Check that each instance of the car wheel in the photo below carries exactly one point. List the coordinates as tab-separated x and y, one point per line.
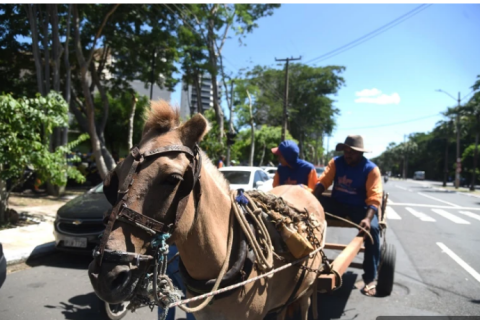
116	311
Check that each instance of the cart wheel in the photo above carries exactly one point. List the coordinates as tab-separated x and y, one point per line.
116	311
386	270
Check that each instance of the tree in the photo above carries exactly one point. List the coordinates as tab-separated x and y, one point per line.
472	109
21	123
212	22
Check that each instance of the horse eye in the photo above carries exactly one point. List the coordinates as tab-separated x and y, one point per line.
173	179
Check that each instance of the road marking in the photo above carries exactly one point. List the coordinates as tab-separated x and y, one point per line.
403	188
392	214
450	216
458	260
427	196
389	201
433	206
420	215
471	215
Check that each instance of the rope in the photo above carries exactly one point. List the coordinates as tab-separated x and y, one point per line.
352	223
271	272
217	282
264	260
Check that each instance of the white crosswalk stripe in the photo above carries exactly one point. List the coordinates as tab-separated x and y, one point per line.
470	214
450	216
420	215
392	214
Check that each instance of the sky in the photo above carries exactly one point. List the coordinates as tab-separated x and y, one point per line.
391	79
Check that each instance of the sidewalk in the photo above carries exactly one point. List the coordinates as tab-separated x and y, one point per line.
22	243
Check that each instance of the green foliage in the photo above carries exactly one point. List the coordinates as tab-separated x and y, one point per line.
25	125
116	130
266	138
210	143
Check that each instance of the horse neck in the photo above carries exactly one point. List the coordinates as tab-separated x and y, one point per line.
202	236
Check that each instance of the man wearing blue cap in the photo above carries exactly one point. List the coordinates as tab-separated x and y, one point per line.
293	170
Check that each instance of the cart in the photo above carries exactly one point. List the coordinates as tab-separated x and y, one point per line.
386	267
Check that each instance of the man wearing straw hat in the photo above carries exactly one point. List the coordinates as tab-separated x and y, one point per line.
357	193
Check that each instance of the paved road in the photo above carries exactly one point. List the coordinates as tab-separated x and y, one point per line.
436	234
424	223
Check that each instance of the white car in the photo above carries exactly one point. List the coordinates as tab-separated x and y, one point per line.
270	171
247	178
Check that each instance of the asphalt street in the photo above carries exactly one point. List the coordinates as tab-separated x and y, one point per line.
436	235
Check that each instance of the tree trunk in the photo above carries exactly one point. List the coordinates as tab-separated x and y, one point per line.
213	71
475	157
94	139
263	154
32	17
3	198
46	49
252	136
68	79
199	93
130	121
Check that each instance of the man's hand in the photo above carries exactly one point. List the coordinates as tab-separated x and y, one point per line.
318	190
365	223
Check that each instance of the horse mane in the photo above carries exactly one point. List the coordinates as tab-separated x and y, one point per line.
161	116
215	173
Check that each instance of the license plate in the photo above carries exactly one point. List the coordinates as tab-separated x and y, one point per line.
75	242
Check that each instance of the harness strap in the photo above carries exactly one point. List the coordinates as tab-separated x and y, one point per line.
143	220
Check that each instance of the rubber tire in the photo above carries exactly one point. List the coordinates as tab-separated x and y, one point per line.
386	272
113	314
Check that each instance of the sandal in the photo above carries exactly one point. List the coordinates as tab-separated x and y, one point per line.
370	290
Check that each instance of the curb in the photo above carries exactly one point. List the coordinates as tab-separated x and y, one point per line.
24	255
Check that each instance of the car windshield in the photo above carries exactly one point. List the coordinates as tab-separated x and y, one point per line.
237	177
98	188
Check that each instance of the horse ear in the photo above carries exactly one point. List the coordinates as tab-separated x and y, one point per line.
110	187
194	129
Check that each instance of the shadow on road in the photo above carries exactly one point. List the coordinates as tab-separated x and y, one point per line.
62	260
86	306
332	305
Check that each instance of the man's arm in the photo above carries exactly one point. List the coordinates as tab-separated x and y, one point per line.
374	196
326	179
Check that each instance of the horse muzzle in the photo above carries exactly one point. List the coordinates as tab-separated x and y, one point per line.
114	282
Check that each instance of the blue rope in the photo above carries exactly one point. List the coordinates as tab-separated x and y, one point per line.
240	198
160	243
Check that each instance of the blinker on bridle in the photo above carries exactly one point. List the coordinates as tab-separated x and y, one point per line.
160	230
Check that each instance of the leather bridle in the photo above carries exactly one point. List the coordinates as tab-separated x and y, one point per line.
122	212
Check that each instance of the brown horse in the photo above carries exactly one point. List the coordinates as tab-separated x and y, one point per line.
201	233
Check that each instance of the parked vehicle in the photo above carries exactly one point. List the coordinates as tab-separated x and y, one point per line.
419	175
270	171
319	170
247	178
78	226
80	221
3	266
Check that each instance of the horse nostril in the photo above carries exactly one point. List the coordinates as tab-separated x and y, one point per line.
120	280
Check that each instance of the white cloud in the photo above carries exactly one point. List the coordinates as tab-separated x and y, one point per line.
368	92
377	97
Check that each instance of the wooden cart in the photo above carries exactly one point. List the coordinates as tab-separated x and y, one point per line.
386	267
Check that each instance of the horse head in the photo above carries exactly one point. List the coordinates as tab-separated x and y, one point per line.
149	192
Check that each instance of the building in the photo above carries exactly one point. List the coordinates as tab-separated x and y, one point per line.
189	98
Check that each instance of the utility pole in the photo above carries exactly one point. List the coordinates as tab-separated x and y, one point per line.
404	157
285	101
459	160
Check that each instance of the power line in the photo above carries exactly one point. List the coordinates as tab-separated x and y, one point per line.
391	124
371	34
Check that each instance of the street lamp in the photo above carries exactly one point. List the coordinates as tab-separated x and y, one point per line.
459	160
